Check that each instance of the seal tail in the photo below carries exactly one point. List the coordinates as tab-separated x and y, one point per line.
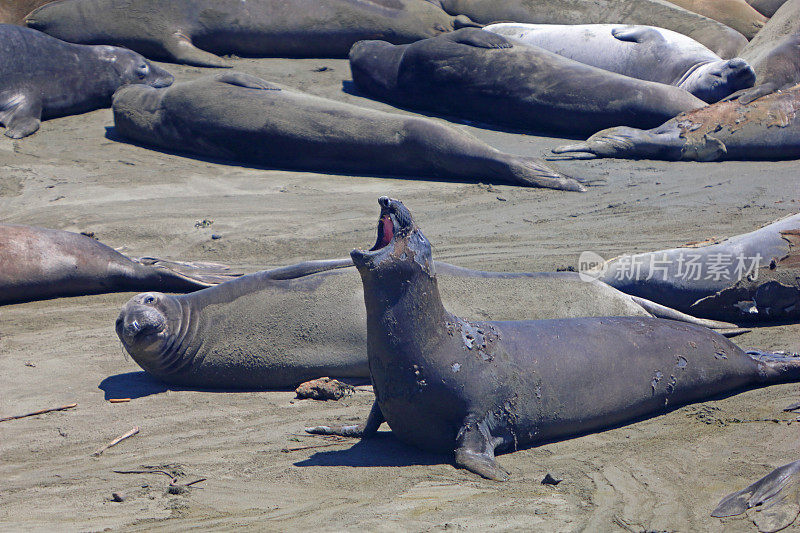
197	274
777	367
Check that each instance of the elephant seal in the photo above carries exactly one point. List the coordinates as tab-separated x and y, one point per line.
775	54
281	327
38	263
642	52
483	76
724	41
196	32
444	383
14	11
767	128
736	14
766	7
42	77
775	498
243	118
754	276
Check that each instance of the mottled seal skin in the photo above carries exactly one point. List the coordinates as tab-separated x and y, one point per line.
736	14
196	32
763	285
483	76
724	41
766	7
775	498
775	54
444	383
642	52
765	129
42	77
243	118
14	11
38	263
281	327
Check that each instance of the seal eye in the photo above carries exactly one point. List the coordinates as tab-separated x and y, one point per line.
142	71
149	299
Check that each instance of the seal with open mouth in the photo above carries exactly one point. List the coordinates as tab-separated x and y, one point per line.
444	383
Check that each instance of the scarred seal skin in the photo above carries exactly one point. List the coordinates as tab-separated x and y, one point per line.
749	277
444	383
281	327
196	32
479	75
643	52
39	263
765	129
42	77
722	40
240	117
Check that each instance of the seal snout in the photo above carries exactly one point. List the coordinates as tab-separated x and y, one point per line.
140	318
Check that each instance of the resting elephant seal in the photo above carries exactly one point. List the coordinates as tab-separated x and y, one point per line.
196	32
642	52
444	383
775	53
39	263
281	327
754	276
14	11
243	118
479	75
766	7
767	128
723	40
736	14
775	498
42	77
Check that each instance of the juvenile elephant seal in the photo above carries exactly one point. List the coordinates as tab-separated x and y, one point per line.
444	383
775	53
38	263
14	11
243	118
754	276
42	77
736	14
775	498
281	327
196	32
480	75
723	40
767	128
642	52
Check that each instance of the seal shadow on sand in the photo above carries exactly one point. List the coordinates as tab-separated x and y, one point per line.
349	87
112	135
384	449
139	384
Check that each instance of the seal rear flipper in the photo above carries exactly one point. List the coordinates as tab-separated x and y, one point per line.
361	431
181	50
200	274
248	81
475	451
777	494
478	38
662	311
21	114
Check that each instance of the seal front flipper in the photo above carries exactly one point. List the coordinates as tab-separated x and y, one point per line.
746	96
478	38
21	115
637	34
776	494
361	431
248	81
181	50
475	451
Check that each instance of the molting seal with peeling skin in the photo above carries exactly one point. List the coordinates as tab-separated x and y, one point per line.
447	384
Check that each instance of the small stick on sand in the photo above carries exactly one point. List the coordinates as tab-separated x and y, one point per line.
119	400
335	441
116	441
43	411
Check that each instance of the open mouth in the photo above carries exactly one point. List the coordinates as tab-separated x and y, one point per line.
385	232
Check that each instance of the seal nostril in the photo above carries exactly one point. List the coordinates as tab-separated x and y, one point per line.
384	201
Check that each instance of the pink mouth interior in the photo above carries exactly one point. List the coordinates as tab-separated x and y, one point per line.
385	232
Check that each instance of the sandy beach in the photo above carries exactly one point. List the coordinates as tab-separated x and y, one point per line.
666	473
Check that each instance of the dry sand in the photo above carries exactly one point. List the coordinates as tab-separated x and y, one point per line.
665	473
